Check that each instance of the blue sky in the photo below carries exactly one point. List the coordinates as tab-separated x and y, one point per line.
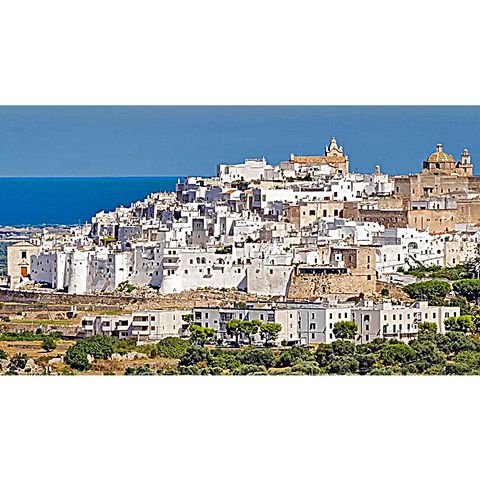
123	141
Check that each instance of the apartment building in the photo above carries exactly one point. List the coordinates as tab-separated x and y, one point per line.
386	320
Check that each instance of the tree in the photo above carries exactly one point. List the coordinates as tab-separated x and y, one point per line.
433	291
323	354
343	348
3	355
201	335
463	323
345	330
294	355
171	347
270	331
454	342
49	344
427	329
97	346
257	356
194	355
470	289
77	358
365	362
463	303
397	354
306	368
343	365
234	328
250	328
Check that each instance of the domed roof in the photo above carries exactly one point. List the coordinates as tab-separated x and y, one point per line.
440	156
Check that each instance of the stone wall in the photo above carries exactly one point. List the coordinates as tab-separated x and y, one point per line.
335	287
58	298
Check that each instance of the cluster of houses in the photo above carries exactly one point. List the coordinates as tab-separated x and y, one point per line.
305	229
302	323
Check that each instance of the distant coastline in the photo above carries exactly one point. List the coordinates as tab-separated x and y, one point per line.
58	201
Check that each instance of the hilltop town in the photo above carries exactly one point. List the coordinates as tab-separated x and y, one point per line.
300	254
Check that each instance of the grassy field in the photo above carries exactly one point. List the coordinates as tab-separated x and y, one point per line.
34	349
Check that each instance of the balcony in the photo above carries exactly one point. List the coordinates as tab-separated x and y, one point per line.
171	261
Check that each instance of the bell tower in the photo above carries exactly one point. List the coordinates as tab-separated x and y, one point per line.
465	163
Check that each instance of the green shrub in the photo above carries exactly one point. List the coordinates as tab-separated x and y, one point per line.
98	346
194	355
433	291
294	355
250	370
343	365
307	368
28	336
257	356
171	347
49	344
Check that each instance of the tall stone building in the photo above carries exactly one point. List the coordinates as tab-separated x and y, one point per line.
334	158
441	174
18	261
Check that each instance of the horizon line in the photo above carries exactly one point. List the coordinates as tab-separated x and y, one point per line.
93	176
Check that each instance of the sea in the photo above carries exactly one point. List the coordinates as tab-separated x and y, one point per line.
71	200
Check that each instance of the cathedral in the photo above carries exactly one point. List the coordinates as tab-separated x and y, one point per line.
440	162
334	157
441	175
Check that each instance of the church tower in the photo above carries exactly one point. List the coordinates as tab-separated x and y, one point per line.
465	163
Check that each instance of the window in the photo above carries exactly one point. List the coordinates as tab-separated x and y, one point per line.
313	336
330	316
394	328
330	326
367	337
313	326
434	315
367	327
24	254
384	329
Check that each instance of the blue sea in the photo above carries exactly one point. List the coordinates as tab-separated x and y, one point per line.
72	200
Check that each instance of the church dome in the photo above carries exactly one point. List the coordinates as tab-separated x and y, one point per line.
440	156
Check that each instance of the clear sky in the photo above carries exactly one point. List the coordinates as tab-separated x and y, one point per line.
124	141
